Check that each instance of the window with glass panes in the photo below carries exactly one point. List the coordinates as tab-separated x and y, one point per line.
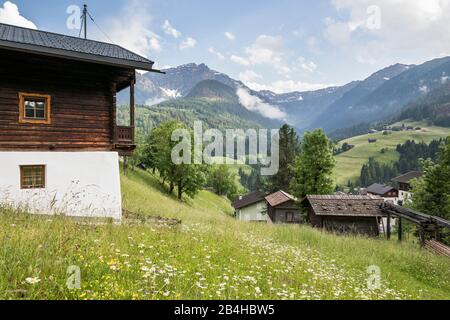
34	108
32	177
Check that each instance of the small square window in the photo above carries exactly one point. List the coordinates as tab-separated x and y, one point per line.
32	177
34	108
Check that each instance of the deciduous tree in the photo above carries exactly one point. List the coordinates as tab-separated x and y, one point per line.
313	168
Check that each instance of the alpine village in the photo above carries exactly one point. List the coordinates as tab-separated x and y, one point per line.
87	180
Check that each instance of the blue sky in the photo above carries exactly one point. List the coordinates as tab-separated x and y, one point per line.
282	45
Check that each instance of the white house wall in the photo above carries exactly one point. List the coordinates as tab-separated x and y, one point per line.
79	184
254	213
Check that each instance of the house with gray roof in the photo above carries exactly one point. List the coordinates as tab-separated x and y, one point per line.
59	138
278	207
252	207
404	182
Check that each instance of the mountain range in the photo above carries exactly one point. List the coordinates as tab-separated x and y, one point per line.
195	92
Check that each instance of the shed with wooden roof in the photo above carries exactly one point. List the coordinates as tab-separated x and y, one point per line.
345	214
282	208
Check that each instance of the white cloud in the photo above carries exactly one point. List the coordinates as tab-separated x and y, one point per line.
188	43
300	33
380	31
309	66
313	45
255	104
286	86
266	50
306	65
216	53
131	29
239	60
230	36
249	76
170	30
9	14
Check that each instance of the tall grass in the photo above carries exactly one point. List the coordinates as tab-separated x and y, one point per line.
208	256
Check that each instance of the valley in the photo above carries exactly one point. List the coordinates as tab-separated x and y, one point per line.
195	92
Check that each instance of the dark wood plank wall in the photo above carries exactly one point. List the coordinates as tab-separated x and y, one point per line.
82	103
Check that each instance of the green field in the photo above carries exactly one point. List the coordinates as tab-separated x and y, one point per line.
209	256
349	164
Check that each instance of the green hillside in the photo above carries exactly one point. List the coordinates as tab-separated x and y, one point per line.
434	107
210	101
208	256
349	164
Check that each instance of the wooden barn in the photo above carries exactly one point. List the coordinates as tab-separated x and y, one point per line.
282	208
59	139
345	214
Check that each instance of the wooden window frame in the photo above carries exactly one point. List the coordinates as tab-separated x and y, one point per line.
44	177
22	116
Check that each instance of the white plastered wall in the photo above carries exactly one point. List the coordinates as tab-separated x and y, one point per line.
79	184
254	212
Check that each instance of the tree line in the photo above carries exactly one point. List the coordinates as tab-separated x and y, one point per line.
155	154
411	154
306	166
431	193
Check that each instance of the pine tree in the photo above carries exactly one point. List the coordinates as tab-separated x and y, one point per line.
289	148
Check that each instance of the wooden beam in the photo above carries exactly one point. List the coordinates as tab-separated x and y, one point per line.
400	215
440	221
388	233
422	236
132	115
125	165
400	229
113	114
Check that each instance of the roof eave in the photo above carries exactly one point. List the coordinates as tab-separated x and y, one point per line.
350	215
78	56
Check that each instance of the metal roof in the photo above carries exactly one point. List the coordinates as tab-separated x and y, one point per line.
59	45
249	199
346	206
406	178
379	189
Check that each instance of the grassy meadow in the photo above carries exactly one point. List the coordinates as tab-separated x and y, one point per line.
208	256
349	164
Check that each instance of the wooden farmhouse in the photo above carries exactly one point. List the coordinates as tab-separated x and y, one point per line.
404	182
282	208
59	139
345	214
388	193
279	207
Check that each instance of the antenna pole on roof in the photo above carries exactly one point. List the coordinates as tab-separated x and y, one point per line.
85	13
